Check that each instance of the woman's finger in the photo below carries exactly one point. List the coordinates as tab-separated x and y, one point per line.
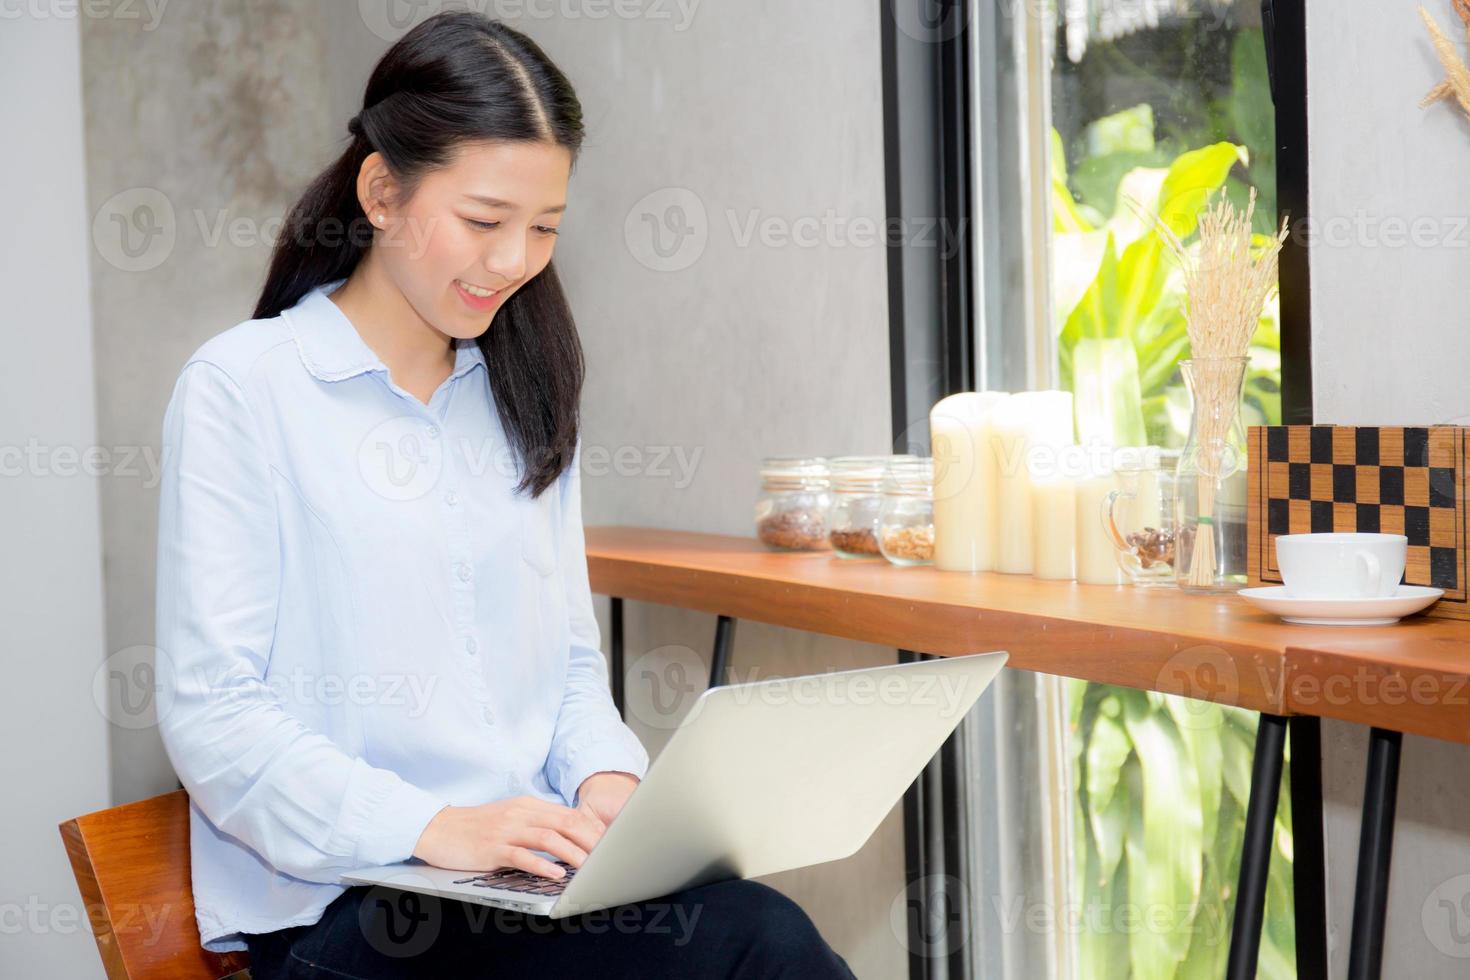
581	825
527	860
552	842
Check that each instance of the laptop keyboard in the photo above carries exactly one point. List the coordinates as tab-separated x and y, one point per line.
516	880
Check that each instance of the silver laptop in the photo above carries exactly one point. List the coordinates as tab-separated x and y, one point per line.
758	778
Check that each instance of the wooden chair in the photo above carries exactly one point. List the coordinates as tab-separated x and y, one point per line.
132	867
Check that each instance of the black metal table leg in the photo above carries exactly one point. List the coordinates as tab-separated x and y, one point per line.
917	859
954	818
1308	870
914	866
935	880
1375	850
616	667
1255	855
720	659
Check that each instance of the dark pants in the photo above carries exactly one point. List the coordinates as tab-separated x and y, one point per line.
736	929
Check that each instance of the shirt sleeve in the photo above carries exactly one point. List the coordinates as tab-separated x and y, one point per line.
256	771
590	734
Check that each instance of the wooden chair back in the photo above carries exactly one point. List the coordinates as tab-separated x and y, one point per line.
132	867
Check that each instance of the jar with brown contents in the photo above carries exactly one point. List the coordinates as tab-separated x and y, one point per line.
791	511
854	542
856	500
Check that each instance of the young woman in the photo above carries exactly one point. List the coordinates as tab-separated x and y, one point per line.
376	637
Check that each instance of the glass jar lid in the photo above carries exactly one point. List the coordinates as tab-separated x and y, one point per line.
859	474
795	472
910	477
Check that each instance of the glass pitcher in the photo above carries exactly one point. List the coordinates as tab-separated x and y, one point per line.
1139	515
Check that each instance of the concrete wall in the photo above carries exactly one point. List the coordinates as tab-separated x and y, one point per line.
1390	198
54	764
214	116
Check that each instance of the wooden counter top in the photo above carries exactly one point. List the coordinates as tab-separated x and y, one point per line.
1414	677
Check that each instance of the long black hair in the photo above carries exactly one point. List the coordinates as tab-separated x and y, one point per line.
457	77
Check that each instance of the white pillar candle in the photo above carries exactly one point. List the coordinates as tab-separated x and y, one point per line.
1052	424
1029	427
1097	559
1054	517
965	505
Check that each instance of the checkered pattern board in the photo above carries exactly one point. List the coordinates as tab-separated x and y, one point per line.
1393	480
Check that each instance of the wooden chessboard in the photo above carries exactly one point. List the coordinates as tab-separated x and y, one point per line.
1387	479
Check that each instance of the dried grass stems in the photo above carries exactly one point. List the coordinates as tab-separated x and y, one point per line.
1458	82
1227	281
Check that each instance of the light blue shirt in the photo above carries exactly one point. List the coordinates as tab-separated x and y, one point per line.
359	622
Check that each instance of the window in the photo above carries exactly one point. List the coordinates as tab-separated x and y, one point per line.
1156	106
1055	127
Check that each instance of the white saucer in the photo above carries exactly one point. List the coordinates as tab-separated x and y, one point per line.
1408	600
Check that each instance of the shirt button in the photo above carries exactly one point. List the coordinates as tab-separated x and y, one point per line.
470	645
451	498
464	572
433	431
488	715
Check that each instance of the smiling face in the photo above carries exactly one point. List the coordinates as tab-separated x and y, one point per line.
475	231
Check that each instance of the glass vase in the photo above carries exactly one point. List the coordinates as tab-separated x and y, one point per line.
1210	484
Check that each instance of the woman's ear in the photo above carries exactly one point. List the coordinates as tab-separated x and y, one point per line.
376	188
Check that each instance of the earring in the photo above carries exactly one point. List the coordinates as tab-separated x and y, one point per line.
380	219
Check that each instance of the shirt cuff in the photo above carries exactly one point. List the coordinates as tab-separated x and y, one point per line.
617	754
389	817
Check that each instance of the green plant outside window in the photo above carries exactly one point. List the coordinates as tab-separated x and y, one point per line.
1160	783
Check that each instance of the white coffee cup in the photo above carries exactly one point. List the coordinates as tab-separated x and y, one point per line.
1341	565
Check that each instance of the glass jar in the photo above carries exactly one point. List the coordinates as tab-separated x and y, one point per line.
1138	516
857	495
791	511
1210	491
906	515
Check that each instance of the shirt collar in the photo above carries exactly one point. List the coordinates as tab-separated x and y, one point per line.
332	349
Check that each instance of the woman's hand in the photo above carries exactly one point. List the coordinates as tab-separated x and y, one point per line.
506	833
603	794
